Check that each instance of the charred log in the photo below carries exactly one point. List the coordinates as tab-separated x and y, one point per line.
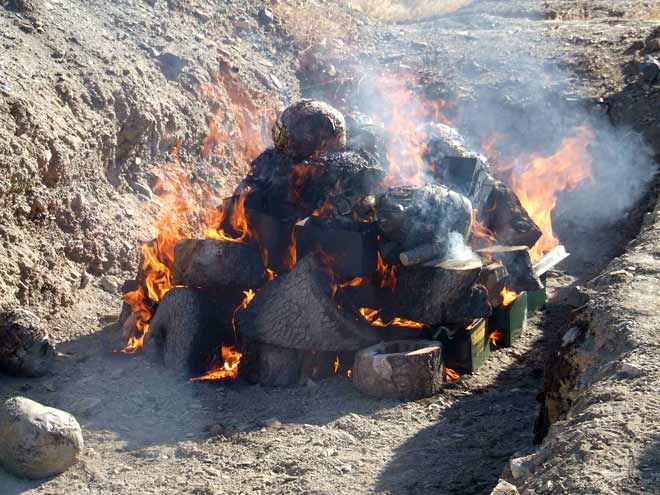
346	177
269	183
441	294
518	263
297	311
309	127
274	238
271	365
215	264
190	325
494	277
407	370
292	190
351	245
507	218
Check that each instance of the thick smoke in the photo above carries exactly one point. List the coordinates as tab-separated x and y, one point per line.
526	106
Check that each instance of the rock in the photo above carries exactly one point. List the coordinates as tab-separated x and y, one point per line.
266	16
143	189
504	488
25	348
37	441
171	65
650	70
78	203
110	284
630	370
521	466
577	296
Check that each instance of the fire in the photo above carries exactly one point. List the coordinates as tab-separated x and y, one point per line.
354	282
387	273
401	114
371	315
336	365
538	179
224	365
237	220
479	229
495	337
158	258
508	297
187	205
451	375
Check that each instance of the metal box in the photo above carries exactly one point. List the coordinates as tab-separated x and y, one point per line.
469	348
511	320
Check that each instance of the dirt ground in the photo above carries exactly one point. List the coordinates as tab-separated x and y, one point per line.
94	96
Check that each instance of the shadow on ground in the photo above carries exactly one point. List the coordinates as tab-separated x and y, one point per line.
467	450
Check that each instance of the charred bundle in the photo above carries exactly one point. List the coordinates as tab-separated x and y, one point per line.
328	261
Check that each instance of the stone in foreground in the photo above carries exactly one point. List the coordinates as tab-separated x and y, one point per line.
25	349
37	441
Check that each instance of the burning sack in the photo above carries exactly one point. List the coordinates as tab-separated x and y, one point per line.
309	127
417	223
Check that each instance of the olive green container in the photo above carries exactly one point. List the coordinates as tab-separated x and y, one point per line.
469	349
511	320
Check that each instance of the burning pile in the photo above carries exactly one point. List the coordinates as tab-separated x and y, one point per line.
318	255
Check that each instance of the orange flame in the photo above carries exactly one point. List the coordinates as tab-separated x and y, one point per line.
186	204
508	297
401	116
387	273
479	229
538	179
336	365
496	337
225	365
451	375
354	282
371	315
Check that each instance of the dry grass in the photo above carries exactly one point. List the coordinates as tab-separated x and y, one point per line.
654	12
313	24
397	10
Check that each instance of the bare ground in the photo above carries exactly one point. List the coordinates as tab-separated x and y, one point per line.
148	431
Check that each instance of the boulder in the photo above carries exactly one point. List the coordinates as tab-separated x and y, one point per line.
37	441
25	349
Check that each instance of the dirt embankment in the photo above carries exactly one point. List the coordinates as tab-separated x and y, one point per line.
94	98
